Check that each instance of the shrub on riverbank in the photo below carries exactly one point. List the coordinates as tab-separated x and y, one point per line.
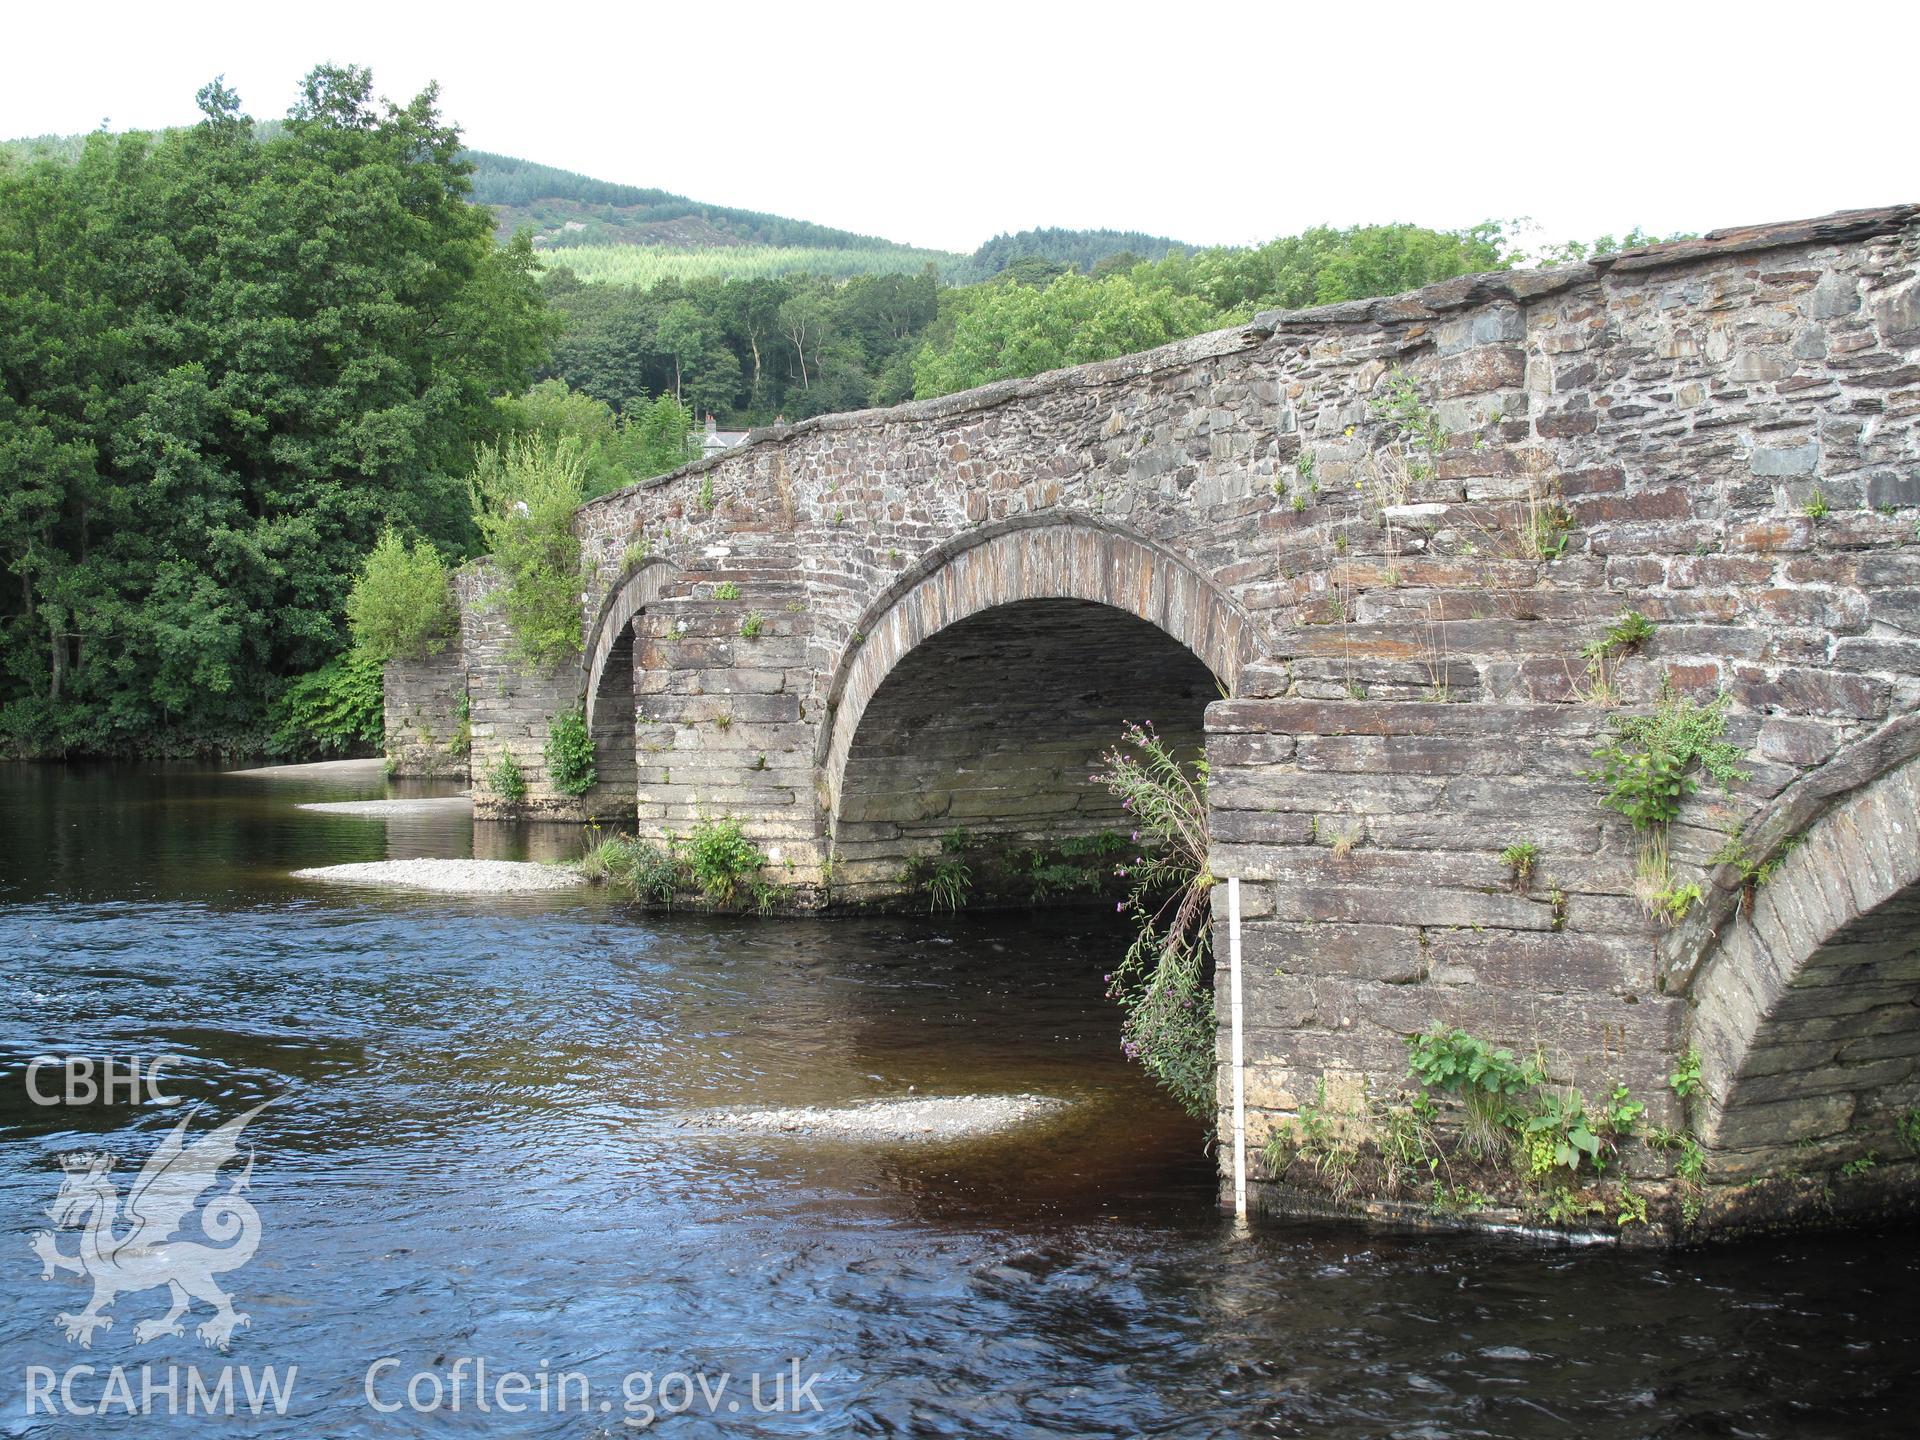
647	872
330	710
524	495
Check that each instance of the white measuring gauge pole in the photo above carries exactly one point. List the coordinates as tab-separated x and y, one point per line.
1239	1052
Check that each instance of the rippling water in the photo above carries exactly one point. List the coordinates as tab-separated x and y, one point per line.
474	1149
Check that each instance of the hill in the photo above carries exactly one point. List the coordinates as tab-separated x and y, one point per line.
1078	250
563	208
636	235
610	233
629	234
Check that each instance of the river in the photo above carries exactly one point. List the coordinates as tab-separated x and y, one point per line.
474	1153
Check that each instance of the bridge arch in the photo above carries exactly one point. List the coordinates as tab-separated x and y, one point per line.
1807	1010
978	690
1072	560
610	636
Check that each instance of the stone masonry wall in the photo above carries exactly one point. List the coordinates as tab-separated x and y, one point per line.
1376	903
424	714
1367	837
511	707
721	694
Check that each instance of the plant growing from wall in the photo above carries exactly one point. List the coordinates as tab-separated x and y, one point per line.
1520	859
1546	525
948	880
751	626
1649	764
506	780
569	753
1418	438
1561	1134
461	742
1076	864
1553	1145
1626	635
1328	1141
944	877
726	590
644	870
1754	874
1163	982
1685	1080
401	604
1689	1168
1389	1147
525	493
1409	457
1909	1127
1485	1079
720	859
1674	903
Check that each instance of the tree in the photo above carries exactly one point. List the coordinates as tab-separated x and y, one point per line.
1017	330
524	495
680	335
715	384
401	603
267	348
803	319
662	437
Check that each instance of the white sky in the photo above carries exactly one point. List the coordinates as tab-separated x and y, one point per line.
1213	123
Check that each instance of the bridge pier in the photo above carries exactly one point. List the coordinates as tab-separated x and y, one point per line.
1368	837
723	724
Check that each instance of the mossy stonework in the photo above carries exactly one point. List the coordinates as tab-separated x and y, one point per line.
1403	564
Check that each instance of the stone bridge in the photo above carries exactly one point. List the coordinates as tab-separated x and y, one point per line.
862	632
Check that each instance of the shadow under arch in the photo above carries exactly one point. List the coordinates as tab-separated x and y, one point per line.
1806	1010
1072	560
